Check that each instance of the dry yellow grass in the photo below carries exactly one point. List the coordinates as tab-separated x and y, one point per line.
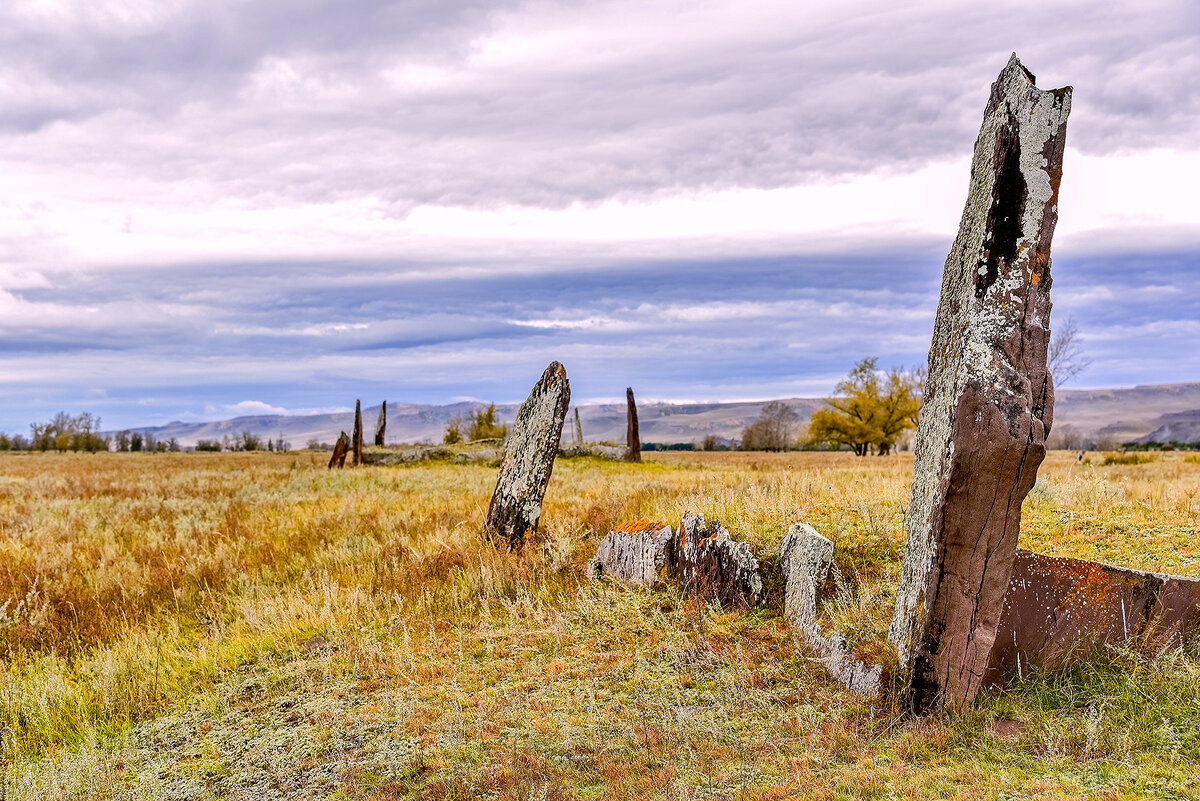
254	626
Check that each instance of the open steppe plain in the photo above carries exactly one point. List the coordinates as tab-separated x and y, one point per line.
253	626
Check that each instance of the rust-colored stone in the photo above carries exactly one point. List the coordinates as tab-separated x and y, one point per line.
1060	610
988	401
340	448
710	565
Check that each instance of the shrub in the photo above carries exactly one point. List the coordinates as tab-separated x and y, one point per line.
1127	458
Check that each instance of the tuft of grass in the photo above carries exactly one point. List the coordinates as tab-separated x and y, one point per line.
1127	458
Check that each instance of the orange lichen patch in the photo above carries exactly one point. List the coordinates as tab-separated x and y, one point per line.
639	526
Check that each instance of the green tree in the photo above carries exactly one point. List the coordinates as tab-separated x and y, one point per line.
483	425
869	410
453	434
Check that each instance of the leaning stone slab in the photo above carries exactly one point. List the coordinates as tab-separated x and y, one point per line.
709	564
1060	610
634	552
528	459
807	562
988	401
340	448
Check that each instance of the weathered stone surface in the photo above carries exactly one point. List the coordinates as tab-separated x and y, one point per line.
807	562
806	559
634	552
381	425
357	442
340	448
1060	610
633	440
529	458
710	565
601	451
578	429
988	400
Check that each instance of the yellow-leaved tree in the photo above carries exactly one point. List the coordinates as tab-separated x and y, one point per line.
870	410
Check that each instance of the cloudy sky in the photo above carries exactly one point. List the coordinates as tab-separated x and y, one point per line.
212	207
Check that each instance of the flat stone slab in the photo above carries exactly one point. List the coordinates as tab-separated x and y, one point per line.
1060	611
635	552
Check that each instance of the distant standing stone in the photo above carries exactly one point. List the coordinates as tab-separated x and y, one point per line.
381	425
633	440
988	401
358	433
578	428
340	448
528	459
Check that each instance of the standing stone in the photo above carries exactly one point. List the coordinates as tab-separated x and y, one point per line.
578	428
529	458
988	401
633	441
358	433
340	448
381	425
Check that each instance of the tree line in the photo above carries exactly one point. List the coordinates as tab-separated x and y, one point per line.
868	413
81	432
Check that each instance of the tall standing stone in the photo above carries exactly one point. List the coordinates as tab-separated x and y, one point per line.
633	440
578	428
988	401
358	433
529	458
381	425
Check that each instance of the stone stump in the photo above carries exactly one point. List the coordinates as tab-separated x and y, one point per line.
988	401
710	565
806	559
633	440
381	425
528	459
634	552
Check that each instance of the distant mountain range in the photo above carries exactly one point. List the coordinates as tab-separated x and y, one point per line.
1160	412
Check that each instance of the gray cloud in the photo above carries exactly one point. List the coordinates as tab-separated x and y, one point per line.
285	101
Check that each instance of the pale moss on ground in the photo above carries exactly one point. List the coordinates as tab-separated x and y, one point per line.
259	627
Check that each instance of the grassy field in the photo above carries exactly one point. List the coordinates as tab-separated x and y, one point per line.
253	626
